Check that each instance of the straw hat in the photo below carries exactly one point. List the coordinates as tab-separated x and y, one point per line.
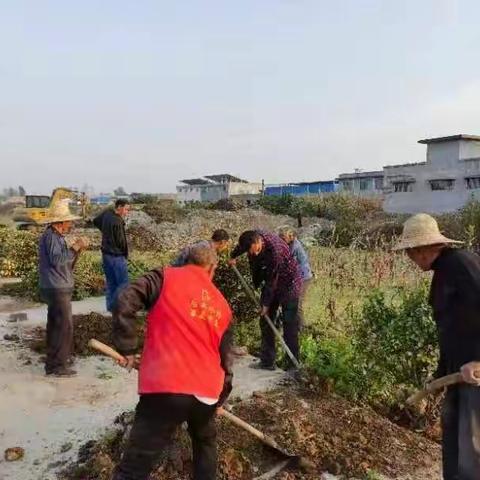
60	212
421	230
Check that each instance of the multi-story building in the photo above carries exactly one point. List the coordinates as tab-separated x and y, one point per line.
445	182
212	188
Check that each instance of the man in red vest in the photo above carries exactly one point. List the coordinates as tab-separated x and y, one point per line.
185	373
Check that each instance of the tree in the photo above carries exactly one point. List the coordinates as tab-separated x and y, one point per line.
21	191
120	192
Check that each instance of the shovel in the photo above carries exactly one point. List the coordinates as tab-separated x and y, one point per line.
290	460
252	295
433	386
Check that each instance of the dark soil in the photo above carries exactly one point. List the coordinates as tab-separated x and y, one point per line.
334	434
85	327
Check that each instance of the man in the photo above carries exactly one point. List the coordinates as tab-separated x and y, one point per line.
185	371
300	255
114	248
56	263
272	265
455	299
220	242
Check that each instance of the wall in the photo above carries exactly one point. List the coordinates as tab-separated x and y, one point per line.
216	191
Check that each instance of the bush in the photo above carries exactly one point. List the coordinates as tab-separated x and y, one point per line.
165	211
18	252
389	350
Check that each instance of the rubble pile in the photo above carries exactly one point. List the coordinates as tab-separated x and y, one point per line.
337	436
144	233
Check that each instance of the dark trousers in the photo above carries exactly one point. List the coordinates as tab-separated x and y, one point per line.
289	321
461	433
59	328
116	275
156	418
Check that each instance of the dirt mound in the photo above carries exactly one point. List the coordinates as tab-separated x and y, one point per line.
85	327
337	436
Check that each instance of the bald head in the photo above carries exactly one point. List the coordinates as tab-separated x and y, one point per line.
202	256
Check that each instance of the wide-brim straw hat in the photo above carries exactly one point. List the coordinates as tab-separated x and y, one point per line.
60	212
421	230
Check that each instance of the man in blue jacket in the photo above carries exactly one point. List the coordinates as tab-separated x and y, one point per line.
56	263
289	235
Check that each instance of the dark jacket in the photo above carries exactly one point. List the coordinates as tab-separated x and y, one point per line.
455	299
56	261
114	238
275	268
143	295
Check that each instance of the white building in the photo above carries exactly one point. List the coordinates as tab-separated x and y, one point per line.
212	188
448	179
363	184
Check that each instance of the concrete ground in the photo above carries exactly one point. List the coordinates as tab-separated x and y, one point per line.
50	418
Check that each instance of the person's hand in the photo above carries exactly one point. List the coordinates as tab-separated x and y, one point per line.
263	311
232	262
128	362
471	373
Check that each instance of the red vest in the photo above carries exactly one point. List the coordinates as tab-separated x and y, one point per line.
184	330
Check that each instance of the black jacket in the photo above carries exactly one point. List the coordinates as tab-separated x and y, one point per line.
455	299
114	238
143	294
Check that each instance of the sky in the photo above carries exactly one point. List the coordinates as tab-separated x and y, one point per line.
142	94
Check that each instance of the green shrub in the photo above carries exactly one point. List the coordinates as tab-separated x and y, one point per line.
18	252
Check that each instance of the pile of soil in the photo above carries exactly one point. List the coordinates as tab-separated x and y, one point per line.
85	327
335	435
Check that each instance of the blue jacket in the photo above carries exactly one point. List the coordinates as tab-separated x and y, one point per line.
301	256
55	261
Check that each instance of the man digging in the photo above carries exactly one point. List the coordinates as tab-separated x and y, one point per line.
273	267
455	299
114	248
185	371
219	242
56	263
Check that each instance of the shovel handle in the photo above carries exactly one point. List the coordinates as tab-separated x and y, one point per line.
436	384
105	349
248	428
251	294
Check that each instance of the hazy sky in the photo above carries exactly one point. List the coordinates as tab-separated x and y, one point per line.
143	93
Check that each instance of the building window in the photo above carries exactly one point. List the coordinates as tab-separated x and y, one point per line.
473	182
347	185
442	184
364	184
379	183
402	187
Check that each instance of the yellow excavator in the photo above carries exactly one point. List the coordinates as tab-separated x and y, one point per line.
37	207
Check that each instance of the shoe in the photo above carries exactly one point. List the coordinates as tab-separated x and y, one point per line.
62	373
263	366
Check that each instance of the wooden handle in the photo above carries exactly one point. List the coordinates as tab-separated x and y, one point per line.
247	427
437	384
105	349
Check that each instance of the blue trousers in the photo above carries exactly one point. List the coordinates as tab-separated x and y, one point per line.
116	274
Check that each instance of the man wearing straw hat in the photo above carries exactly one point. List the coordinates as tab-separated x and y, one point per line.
56	263
455	299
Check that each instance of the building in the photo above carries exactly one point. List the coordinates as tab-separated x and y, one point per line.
445	182
363	184
302	189
212	188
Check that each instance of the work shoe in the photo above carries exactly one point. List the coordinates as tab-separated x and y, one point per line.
262	366
63	372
